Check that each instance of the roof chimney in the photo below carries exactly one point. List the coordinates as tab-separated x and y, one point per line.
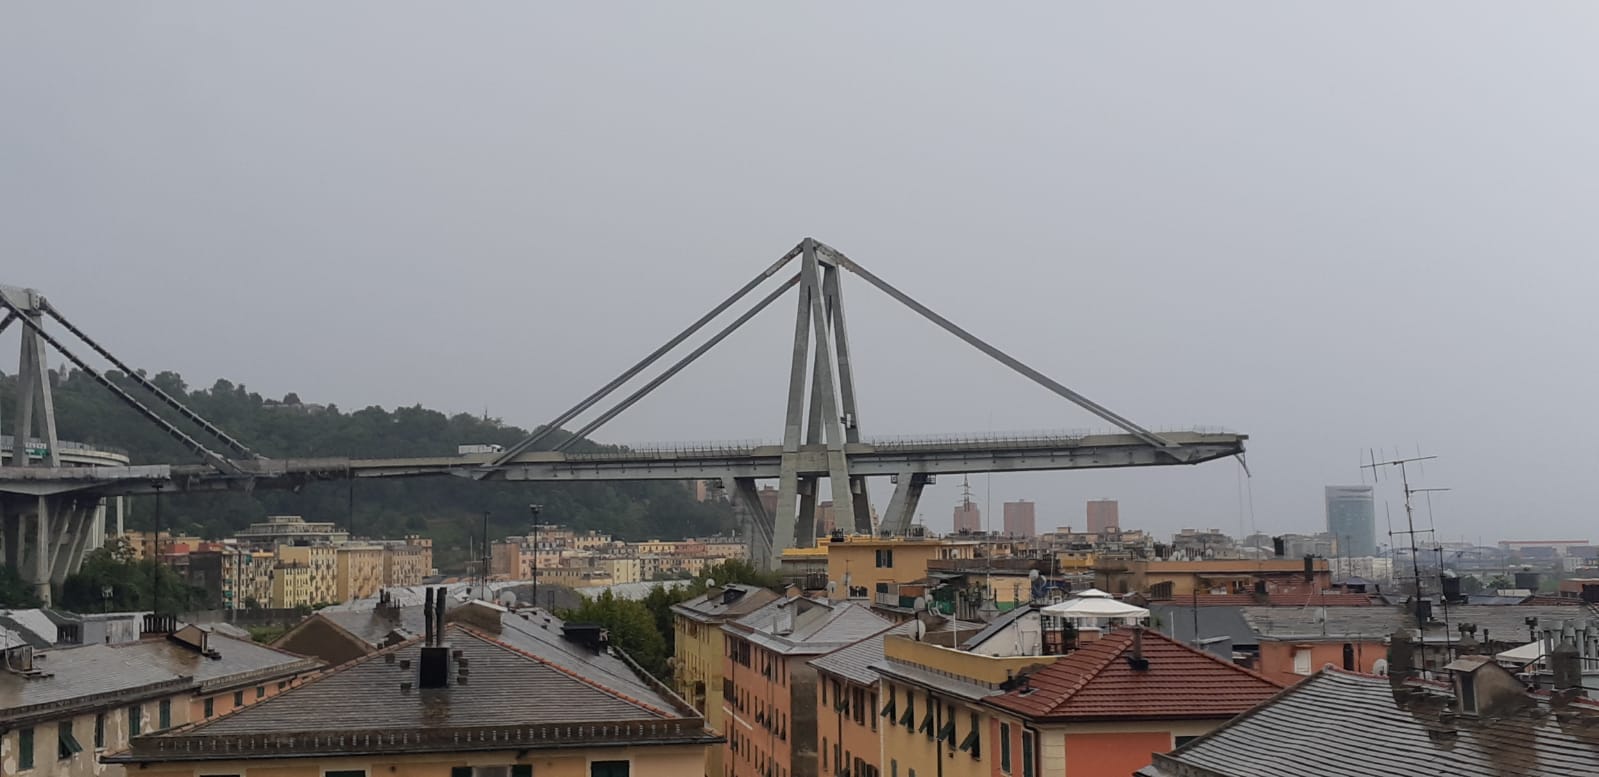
1401	657
1137	660
427	615
1566	666
433	669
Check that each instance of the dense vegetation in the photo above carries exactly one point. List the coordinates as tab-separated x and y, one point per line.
449	510
112	580
644	628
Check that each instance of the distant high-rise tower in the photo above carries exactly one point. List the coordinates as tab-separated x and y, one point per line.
967	517
1352	520
1103	515
1019	519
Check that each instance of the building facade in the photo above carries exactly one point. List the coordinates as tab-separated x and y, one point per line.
1352	520
1020	519
1104	515
701	651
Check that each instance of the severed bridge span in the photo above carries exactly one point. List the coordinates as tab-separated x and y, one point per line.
53	494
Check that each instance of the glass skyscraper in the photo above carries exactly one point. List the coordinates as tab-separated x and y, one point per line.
1352	520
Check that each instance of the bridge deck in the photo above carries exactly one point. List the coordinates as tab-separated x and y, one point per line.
884	457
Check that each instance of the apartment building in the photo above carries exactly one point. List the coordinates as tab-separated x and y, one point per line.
700	651
358	571
769	689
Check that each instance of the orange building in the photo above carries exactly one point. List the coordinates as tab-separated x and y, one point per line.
859	566
1296	642
1102	708
769	689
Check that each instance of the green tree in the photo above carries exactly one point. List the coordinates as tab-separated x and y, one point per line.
132	584
16	592
742	572
632	628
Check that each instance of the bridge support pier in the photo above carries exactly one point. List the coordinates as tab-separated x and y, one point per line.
902	505
46	538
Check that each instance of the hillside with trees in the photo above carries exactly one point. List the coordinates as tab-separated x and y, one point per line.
449	510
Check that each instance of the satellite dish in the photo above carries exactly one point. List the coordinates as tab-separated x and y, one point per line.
832	587
1032	574
920	628
920	603
710	582
1380	667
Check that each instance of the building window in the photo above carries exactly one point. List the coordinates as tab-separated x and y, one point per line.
260	692
135	720
66	744
908	720
99	731
824	752
973	742
25	749
1302	661
165	712
871	709
238	698
283	684
885	558
210	707
1029	754
1184	740
1004	747
610	769
345	773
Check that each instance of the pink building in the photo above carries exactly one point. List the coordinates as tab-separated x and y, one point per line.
967	517
1019	520
1103	516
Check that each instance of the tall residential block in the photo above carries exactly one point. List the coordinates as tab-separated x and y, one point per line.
1352	520
1104	515
1019	519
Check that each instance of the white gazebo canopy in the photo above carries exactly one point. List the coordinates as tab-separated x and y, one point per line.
1094	607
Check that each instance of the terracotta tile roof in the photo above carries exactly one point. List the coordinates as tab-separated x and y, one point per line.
1098	682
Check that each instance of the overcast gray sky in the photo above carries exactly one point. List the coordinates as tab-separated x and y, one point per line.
1332	226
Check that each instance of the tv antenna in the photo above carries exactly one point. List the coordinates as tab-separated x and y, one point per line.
1410	519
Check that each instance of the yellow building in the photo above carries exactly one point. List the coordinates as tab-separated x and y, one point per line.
407	562
701	648
291	585
481	696
358	571
857	565
322	561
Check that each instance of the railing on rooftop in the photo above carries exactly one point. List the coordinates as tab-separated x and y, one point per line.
424	739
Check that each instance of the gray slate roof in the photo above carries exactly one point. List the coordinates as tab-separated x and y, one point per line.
1309	623
808	626
534	635
1177	622
92	670
855	662
506	687
710	607
373	625
1340	724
